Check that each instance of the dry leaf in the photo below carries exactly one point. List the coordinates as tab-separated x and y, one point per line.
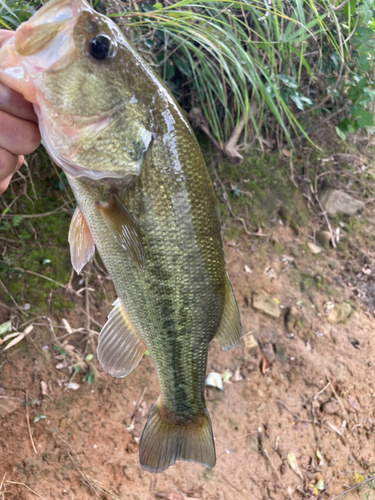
247	269
169	496
286	153
354	404
264	366
231	243
292	461
19	338
237	375
73	385
366	270
357	478
44	388
68	328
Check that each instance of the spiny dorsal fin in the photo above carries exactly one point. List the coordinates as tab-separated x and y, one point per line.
123	228
228	334
119	347
82	246
165	441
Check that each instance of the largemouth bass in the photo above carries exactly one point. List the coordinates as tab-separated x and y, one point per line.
145	201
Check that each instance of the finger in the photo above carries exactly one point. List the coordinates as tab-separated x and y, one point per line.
14	103
17	136
5	35
8	165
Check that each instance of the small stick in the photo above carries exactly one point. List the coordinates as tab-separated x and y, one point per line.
337	397
139	402
36	216
277	473
25	485
39	276
28	425
2	481
295	415
320	392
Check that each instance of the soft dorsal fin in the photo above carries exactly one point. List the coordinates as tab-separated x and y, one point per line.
82	246
119	347
123	228
229	332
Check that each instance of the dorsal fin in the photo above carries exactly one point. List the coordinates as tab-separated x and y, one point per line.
119	347
123	228
229	332
82	246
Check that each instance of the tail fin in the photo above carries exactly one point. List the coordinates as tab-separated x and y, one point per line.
164	442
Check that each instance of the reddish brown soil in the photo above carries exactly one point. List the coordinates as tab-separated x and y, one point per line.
87	446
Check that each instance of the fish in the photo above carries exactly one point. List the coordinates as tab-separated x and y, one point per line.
145	202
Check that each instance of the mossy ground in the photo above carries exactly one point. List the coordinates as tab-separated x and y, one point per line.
36	244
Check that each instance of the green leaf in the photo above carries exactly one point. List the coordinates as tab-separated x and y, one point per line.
89	357
89	377
320	484
38	417
16	220
340	134
366	120
5	327
59	350
158	6
147	353
227	375
365	11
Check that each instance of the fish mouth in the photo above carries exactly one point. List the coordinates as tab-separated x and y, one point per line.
35	35
46	40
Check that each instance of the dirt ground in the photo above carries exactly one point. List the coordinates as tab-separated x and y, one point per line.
301	395
296	418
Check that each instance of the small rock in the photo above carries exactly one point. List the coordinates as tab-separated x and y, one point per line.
294	319
281	353
252	442
269	353
266	304
330	407
314	248
247	369
323	238
9	405
339	313
335	201
250	343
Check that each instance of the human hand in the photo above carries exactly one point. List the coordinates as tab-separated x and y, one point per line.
19	132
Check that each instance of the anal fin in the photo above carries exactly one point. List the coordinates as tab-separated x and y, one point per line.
119	347
123	228
82	246
229	332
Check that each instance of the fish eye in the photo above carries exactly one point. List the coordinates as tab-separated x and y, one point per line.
100	47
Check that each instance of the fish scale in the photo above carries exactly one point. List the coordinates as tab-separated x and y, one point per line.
145	201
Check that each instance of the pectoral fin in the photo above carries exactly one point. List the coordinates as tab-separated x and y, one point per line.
228	334
123	228
82	246
119	347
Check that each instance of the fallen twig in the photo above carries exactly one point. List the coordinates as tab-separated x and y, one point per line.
369	479
25	485
28	423
277	473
